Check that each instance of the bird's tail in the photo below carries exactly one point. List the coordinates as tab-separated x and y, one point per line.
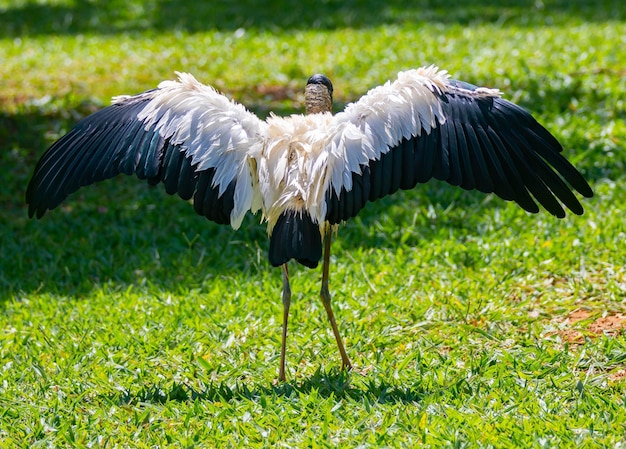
295	236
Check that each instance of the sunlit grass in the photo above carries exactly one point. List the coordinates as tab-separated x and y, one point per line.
129	321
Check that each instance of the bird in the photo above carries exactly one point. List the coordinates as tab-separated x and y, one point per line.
308	173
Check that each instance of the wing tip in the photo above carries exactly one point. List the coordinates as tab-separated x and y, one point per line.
585	191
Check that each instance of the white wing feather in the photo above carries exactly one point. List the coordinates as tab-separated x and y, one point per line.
380	119
214	131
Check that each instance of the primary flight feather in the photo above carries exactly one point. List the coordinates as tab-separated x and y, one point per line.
309	172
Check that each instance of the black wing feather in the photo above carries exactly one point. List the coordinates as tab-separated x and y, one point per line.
376	182
519	193
467	173
113	141
456	174
408	173
386	173
499	183
440	148
484	143
423	164
396	170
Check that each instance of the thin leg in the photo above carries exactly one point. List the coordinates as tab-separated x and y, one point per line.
325	295
286	304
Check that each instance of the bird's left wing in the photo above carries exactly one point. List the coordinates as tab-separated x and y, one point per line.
425	125
184	134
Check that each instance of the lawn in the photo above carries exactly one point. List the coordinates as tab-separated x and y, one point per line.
129	321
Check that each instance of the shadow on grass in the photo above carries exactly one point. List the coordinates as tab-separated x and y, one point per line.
332	384
83	16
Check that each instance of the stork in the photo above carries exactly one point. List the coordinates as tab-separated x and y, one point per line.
308	173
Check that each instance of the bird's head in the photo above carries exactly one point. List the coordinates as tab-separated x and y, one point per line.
318	95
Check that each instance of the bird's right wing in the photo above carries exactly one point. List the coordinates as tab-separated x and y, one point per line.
184	134
425	125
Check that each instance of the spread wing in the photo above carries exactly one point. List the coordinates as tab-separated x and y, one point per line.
184	134
425	125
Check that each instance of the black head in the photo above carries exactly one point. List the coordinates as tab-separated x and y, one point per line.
323	80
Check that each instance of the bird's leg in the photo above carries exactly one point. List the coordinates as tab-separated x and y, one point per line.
286	304
325	295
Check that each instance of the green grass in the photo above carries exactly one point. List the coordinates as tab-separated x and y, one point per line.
128	321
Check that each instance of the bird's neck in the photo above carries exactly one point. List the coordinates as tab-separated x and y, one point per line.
317	99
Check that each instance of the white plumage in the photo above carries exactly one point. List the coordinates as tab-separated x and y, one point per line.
291	161
310	172
213	131
381	118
